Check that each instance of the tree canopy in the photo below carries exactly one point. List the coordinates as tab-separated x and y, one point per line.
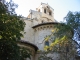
63	34
73	20
11	28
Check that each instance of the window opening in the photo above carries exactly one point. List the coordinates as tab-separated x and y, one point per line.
44	10
47	43
50	13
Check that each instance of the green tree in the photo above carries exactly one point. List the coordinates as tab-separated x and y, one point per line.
73	20
63	42
11	28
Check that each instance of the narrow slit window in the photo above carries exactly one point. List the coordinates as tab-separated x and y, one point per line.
50	13
44	10
47	43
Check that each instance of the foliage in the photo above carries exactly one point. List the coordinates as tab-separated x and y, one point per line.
73	19
10	31
63	29
24	53
63	33
44	56
63	46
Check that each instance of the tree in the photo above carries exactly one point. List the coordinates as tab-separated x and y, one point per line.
73	20
11	28
63	43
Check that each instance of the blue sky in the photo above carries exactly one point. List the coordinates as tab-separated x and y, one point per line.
61	7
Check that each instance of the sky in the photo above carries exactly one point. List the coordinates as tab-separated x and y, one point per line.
61	7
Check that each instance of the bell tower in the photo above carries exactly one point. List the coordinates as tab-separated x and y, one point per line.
47	11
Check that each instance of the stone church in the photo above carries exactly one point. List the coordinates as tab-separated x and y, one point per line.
39	24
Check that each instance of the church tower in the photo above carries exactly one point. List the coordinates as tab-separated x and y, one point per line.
39	24
47	11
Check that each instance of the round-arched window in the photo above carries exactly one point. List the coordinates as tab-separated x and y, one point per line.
47	43
44	10
50	13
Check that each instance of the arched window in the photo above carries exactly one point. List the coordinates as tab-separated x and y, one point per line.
44	10
50	13
47	43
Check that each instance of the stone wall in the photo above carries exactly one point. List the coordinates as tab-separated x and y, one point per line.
31	47
40	33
